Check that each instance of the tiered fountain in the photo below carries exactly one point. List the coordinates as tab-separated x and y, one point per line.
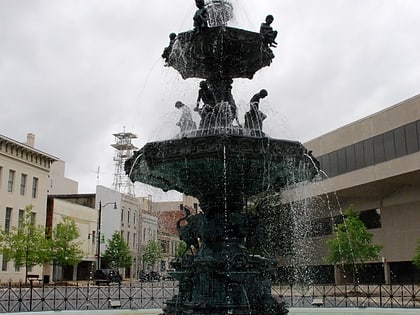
223	165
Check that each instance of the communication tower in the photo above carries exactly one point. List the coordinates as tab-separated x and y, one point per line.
124	150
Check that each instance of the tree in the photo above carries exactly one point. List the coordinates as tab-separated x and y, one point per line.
65	249
26	244
152	252
352	244
181	249
117	252
416	258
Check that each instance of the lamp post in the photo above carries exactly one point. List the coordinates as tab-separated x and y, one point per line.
98	248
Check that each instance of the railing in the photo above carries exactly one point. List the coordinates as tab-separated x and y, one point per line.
381	295
152	295
84	296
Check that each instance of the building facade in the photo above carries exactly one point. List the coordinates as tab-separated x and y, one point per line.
24	181
373	165
85	218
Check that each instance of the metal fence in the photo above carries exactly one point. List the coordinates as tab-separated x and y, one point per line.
84	296
381	295
152	295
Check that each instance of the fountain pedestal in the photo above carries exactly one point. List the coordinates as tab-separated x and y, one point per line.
222	171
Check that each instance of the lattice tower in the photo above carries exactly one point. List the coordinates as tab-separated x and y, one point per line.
124	150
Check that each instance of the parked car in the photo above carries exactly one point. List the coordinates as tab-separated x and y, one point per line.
149	275
107	276
167	275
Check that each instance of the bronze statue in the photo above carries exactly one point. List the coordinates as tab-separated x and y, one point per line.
254	117
190	233
167	51
267	32
208	98
186	123
201	17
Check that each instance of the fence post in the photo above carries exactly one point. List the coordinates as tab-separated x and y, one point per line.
291	295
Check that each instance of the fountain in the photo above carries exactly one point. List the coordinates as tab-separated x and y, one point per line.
224	165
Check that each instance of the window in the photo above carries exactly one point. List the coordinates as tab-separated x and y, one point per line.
34	187
389	145
134	218
23	184
128	238
134	240
371	218
128	216
7	219
21	217
122	215
4	263
411	138
1	172
93	237
11	181
400	143
33	218
378	149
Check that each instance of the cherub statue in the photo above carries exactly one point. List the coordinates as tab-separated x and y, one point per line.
167	51
201	16
254	117
186	123
208	98
267	32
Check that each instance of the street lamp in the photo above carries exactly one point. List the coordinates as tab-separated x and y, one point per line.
98	249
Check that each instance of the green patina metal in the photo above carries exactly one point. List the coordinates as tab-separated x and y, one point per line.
223	166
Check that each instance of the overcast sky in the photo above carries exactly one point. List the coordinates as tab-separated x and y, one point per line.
73	72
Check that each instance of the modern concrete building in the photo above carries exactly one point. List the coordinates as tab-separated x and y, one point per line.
373	164
24	181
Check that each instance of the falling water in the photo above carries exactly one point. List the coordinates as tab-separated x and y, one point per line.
220	12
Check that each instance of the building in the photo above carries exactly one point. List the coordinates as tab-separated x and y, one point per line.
85	217
134	218
170	212
59	183
373	164
24	181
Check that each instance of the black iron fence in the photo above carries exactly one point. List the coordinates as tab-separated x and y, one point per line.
84	296
152	295
381	295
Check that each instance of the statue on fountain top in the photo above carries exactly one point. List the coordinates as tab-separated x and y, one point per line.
201	17
167	51
267	32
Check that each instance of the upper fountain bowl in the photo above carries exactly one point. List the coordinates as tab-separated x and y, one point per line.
223	52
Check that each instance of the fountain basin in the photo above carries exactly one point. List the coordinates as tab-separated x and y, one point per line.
221	165
223	51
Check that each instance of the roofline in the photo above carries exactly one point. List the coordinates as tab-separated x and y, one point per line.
28	147
366	117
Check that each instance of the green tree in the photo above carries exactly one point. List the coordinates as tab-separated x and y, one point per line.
416	258
152	252
181	249
352	244
65	248
117	252
26	244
